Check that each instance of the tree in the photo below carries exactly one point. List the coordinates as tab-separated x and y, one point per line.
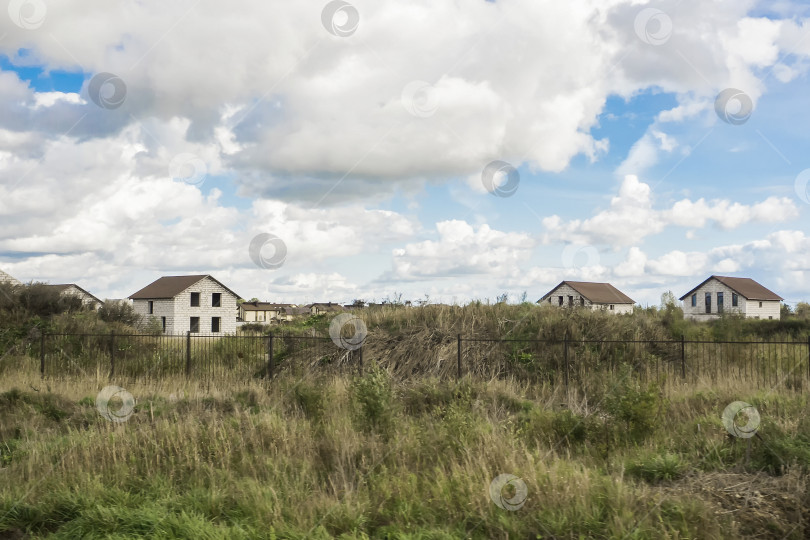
668	301
803	310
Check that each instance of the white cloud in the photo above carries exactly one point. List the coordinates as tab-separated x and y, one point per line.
631	217
461	250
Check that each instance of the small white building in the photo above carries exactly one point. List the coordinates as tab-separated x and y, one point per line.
71	289
6	278
197	304
722	294
265	312
585	294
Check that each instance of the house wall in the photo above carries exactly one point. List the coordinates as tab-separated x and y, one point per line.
771	309
565	291
161	308
178	311
183	310
749	308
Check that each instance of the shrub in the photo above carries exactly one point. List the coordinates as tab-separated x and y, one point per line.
636	407
119	312
373	399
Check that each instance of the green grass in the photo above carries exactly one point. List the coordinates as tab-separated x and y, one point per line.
372	457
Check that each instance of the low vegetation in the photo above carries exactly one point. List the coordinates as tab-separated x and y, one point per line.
365	456
401	450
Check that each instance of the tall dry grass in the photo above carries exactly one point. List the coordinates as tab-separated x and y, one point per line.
372	456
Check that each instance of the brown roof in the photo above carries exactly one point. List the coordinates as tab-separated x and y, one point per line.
746	287
263	306
65	286
171	286
597	293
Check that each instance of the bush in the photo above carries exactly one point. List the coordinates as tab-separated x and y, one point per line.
373	400
637	408
119	312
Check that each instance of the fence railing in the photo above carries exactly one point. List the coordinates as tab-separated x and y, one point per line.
558	361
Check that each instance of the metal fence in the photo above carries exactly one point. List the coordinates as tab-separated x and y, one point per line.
563	361
762	364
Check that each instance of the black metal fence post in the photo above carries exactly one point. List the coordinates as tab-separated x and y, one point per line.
565	358
458	357
360	352
112	353
42	355
188	353
270	359
683	357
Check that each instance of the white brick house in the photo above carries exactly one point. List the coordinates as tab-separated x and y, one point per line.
6	278
584	294
71	289
197	304
721	294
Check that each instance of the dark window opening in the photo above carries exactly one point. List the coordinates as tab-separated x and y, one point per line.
570	300
694	300
163	323
215	324
194	326
708	302
611	306
195	299
760	304
561	300
734	300
581	301
216	299
719	302
151	307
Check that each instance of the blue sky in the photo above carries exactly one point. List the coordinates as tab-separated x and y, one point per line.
364	152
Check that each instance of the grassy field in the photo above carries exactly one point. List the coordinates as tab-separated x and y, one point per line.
353	456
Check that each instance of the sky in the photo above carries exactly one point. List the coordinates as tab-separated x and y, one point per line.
426	150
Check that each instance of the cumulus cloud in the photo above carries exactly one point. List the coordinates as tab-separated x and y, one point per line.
301	108
462	250
631	217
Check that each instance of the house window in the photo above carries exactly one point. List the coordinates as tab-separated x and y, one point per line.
163	323
734	300
708	302
561	300
770	316
719	302
581	301
694	300
611	306
570	300
195	299
760	304
215	324
194	325
549	299
216	299
151	307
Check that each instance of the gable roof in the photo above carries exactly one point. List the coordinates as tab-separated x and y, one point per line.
263	306
7	278
597	293
62	287
171	286
746	287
